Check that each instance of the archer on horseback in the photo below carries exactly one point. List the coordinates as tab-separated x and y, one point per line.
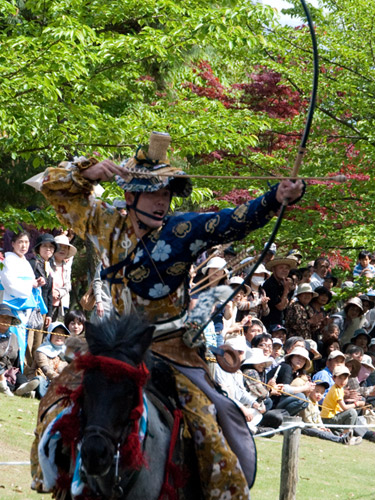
146	257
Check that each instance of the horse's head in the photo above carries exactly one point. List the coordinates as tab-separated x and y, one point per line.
112	390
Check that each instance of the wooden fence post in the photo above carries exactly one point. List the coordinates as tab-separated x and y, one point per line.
289	460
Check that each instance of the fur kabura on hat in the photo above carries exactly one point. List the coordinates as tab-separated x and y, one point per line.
154	161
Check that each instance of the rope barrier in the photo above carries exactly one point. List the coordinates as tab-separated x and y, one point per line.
36	330
302	425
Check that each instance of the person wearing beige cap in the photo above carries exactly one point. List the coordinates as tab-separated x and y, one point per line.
335	410
61	272
146	257
300	318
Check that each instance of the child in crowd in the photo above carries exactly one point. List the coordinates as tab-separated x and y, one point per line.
277	349
311	415
335	410
363	263
12	381
49	359
75	322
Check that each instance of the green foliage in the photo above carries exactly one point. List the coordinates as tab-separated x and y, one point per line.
84	77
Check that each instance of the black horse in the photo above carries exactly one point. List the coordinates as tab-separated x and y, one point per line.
115	463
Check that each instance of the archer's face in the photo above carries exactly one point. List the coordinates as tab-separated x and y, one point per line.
156	204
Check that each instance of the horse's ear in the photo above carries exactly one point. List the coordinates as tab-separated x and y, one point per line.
138	350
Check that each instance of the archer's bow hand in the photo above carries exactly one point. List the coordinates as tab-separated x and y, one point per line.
290	190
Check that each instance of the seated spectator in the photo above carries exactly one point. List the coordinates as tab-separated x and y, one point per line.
336	358
295	364
12	381
321	268
350	319
305	275
279	289
264	342
277	350
318	304
41	263
311	415
363	263
335	410
214	273
361	339
354	351
49	359
255	328
330	281
233	383
254	370
75	321
278	332
300	318
295	254
359	373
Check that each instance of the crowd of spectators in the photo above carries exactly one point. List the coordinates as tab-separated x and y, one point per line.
300	355
35	320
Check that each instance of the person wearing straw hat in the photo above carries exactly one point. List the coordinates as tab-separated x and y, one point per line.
300	318
147	254
278	288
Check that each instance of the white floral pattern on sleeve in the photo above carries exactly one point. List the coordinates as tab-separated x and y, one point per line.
159	290
161	251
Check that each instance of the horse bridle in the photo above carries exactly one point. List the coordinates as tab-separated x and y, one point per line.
103	433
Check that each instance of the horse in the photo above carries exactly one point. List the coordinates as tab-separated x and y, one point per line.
115	391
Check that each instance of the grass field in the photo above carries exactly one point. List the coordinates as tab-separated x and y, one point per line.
327	471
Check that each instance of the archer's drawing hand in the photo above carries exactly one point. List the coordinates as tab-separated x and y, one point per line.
102	171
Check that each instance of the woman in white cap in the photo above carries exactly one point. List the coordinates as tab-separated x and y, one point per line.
61	276
257	296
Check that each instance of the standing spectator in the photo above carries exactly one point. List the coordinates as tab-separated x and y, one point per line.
257	296
364	258
278	288
299	315
18	280
103	300
321	268
61	276
41	263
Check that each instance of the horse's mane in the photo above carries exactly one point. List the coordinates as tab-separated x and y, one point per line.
124	338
